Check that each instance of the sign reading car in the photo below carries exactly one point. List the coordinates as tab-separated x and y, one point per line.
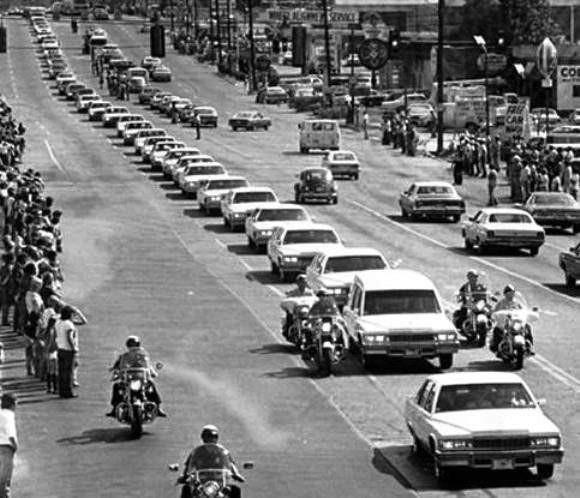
517	120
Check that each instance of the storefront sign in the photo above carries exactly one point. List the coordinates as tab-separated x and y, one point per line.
568	87
336	18
496	63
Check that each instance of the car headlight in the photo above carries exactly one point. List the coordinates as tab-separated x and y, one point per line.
290	259
375	339
192	183
545	442
265	233
335	290
455	444
239	215
447	336
215	198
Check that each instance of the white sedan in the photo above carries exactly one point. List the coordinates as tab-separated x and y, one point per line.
238	203
484	420
503	227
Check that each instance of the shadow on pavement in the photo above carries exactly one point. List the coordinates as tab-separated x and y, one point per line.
175	196
564	289
264	277
216	227
275	348
91	436
241	249
487	365
290	373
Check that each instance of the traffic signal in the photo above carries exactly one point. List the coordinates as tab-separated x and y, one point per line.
501	41
157	40
3	41
394	41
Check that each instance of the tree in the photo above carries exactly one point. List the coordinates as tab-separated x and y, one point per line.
529	20
522	21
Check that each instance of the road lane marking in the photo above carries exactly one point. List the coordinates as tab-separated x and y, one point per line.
480	260
54	159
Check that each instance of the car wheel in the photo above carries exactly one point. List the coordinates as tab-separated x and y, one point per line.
297	198
545	470
445	361
456	218
575	228
234	128
226	223
335	200
303	150
468	244
355	176
534	251
251	242
404	213
439	472
202	207
417	448
570	281
266	128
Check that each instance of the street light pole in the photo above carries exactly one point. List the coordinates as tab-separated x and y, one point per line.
440	37
219	32
326	44
252	47
351	86
485	71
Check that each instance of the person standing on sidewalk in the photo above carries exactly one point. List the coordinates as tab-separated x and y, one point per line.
197	124
365	124
8	442
491	186
67	348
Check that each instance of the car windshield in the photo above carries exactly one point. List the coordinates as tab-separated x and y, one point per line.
205	111
205	170
343	156
181	152
435	189
393	302
321	175
282	215
509	218
196	160
223	184
354	263
310	237
483	397
243	115
243	197
561	199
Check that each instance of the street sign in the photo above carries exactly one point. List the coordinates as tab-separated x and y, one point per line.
373	53
546	58
546	83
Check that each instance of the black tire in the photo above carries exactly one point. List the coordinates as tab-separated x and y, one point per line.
303	150
468	244
335	200
445	361
456	218
297	198
326	363
355	176
234	128
570	281
519	354
545	470
136	423
404	213
481	335
251	242
534	251
576	228
226	222
274	268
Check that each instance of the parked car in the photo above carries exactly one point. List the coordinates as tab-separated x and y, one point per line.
342	163
396	101
315	184
569	261
482	420
146	93
503	227
431	200
421	114
249	120
539	115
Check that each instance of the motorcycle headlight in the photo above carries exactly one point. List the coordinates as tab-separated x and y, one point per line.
455	444
326	326
135	385
517	326
211	488
546	442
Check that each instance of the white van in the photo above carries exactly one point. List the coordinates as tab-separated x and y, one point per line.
134	72
323	134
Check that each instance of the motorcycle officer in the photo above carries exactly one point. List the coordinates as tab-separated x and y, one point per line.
472	290
136	356
325	306
289	303
210	455
508	302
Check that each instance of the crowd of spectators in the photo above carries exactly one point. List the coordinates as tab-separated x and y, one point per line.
31	278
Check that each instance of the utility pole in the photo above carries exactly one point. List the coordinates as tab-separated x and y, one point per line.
252	47
440	37
196	17
326	45
219	31
229	24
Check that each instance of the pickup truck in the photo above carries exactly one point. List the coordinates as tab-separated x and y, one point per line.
570	263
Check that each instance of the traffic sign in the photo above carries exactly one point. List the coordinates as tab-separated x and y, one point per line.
373	53
546	58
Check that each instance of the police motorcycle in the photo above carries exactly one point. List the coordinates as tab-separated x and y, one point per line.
135	409
299	309
477	311
208	483
327	344
514	325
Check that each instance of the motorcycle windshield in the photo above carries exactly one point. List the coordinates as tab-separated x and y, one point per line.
218	475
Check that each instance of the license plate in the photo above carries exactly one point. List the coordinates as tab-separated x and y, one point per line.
502	464
411	352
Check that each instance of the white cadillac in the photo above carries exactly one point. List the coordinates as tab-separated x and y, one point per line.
483	420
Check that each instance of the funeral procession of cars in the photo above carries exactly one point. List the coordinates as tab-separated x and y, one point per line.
329	227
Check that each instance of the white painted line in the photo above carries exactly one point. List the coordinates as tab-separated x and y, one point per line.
480	260
275	290
221	244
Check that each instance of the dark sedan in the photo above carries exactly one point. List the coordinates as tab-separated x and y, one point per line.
315	184
554	209
249	120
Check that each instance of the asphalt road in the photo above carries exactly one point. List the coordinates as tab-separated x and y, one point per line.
140	259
